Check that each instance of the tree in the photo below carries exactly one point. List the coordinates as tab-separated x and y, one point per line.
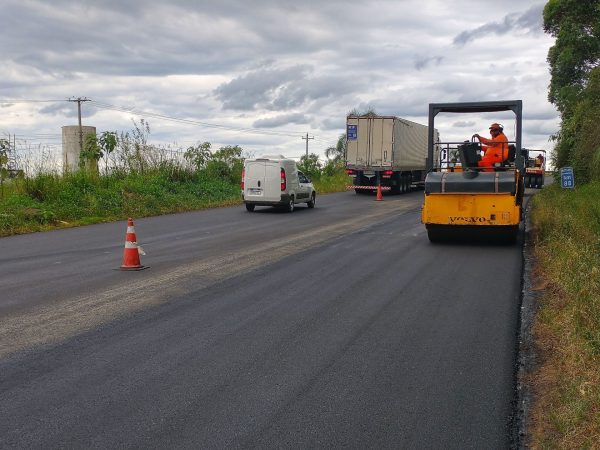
369	112
576	26
108	142
310	165
230	155
227	162
338	152
198	155
90	154
583	132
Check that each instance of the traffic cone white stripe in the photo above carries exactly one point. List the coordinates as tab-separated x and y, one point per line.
129	244
130	229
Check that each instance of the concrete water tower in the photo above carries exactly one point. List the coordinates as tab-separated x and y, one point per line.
71	145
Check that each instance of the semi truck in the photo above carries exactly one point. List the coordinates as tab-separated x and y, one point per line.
385	151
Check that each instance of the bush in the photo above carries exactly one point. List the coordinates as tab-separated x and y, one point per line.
42	186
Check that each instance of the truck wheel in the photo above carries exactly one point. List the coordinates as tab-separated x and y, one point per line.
290	205
311	202
249	207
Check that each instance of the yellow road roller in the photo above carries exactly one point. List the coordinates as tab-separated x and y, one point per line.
468	200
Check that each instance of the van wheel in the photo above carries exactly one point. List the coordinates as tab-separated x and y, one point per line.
290	205
311	202
249	207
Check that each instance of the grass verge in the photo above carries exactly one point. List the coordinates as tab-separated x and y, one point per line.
334	183
50	201
53	201
566	385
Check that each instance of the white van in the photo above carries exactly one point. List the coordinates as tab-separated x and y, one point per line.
275	181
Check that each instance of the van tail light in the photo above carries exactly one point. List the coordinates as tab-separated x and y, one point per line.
243	176
283	180
350	171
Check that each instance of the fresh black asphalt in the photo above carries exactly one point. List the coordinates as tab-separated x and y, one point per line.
373	339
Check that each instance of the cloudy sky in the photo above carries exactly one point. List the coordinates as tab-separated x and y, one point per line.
261	74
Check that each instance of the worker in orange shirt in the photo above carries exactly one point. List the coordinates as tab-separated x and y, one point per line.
495	149
539	160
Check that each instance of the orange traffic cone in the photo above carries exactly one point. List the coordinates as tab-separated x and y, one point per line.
131	254
379	194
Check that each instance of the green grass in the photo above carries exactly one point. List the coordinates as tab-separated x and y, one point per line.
335	183
567	237
50	201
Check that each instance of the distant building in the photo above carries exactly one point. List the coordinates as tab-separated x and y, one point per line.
71	147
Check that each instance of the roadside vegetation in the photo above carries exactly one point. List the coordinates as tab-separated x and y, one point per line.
567	330
123	176
566	231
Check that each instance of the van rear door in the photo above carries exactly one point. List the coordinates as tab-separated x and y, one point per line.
262	181
273	180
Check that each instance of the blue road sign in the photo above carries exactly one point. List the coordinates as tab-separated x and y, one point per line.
567	179
352	132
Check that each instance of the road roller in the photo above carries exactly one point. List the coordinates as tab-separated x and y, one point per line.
467	198
535	168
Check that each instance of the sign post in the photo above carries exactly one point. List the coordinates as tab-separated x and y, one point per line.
567	178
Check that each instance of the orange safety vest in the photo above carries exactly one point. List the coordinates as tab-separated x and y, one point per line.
495	151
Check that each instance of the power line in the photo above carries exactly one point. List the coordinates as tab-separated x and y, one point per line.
133	110
194	122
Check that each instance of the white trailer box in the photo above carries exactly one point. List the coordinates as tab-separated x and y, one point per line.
385	142
386	151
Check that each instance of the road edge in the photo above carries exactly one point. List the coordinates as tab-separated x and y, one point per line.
526	352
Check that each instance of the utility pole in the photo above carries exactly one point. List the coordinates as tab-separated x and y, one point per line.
307	138
79	100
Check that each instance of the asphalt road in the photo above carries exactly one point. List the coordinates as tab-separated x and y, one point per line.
337	327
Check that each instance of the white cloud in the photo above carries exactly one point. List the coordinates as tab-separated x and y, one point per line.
289	67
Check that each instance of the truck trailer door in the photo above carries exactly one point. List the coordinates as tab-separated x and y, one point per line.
381	140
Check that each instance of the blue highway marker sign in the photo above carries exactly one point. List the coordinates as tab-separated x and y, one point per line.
567	178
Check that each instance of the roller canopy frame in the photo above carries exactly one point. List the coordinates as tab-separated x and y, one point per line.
515	106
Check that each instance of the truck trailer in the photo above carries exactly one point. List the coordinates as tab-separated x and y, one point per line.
387	151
